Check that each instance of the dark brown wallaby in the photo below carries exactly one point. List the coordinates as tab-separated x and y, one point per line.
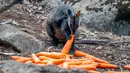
61	23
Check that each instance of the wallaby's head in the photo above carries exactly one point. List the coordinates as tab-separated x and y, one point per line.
73	20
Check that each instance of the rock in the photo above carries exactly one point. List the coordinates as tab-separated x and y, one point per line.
121	28
23	42
10	66
122	20
123	11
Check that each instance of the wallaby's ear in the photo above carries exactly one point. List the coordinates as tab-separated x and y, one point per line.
78	13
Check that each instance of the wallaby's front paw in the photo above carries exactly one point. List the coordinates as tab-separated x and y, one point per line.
69	37
72	51
54	43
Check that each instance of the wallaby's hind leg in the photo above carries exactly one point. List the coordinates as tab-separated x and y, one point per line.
55	42
51	33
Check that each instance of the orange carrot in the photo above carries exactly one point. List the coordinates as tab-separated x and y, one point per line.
53	55
95	59
116	72
69	56
41	64
60	65
69	60
42	53
82	54
23	60
68	45
55	61
95	64
75	63
50	62
93	71
85	67
90	63
35	58
16	57
44	58
65	65
44	61
58	61
105	65
127	67
83	59
30	61
87	62
79	53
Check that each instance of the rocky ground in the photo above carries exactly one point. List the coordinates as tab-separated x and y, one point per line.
21	32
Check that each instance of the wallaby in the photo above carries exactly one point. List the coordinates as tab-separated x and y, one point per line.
61	23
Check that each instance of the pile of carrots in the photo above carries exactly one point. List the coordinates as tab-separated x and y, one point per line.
62	59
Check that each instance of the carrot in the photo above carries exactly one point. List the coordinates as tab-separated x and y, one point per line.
44	61
53	55
90	63
85	67
41	64
82	54
75	63
79	53
95	64
68	45
42	53
65	65
30	61
50	62
60	65
83	59
93	71
23	60
127	67
44	58
69	60
69	56
58	61
87	62
105	65
35	58
55	61
16	57
95	59
116	72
